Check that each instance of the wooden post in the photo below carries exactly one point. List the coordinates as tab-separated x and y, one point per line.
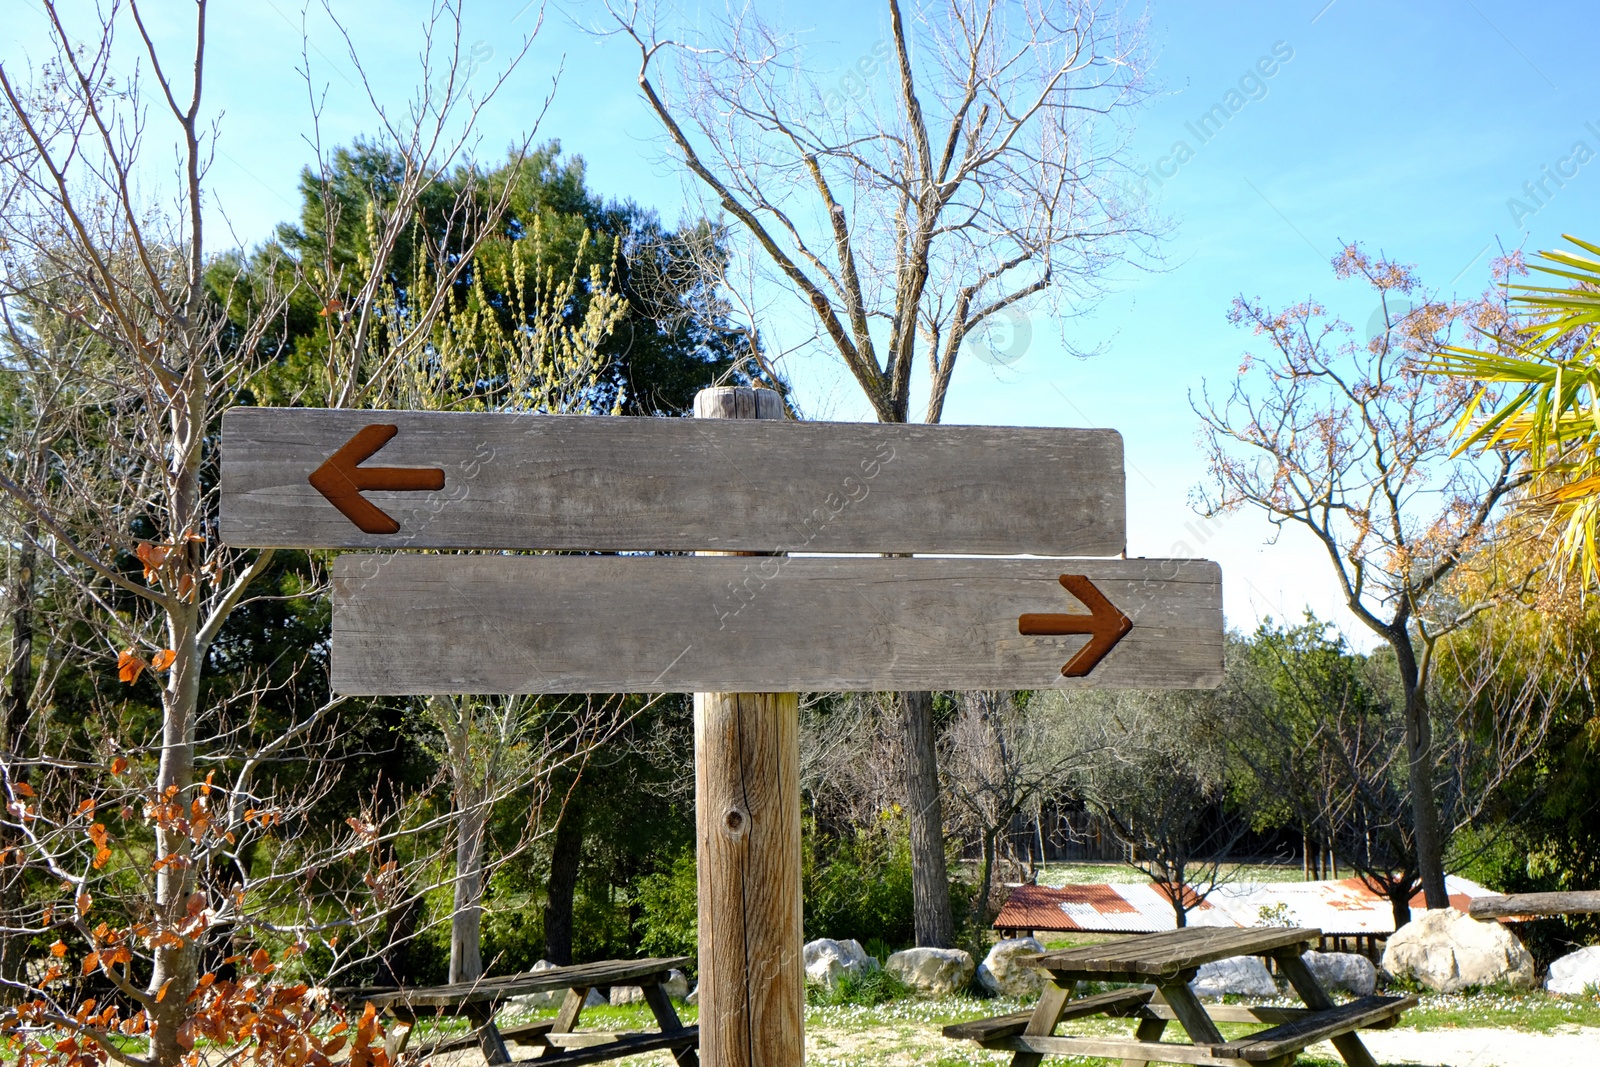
747	830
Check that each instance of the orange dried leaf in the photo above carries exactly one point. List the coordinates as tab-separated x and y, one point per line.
130	666
86	807
161	994
163	659
90	962
58	949
83	902
23	789
119	765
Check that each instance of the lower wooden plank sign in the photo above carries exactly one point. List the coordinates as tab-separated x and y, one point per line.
404	623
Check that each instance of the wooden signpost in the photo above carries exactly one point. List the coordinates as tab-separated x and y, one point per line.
741	630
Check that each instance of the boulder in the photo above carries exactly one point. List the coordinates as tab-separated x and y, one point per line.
827	961
1004	975
530	1002
1343	970
936	971
676	985
595	999
1243	975
1448	951
1574	973
694	995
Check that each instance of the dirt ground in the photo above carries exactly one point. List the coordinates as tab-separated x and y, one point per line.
1574	1046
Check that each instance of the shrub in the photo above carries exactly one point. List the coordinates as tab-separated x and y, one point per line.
668	902
860	886
867	989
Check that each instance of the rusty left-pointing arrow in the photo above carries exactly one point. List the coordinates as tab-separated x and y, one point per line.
342	479
1104	624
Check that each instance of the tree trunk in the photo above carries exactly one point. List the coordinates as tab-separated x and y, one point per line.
13	719
1400	906
466	921
1420	759
175	973
930	883
986	880
566	850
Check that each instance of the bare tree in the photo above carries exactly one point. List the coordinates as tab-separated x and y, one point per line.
1000	759
1159	773
1349	442
982	180
115	310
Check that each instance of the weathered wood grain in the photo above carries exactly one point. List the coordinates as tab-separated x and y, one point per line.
1573	903
747	801
547	624
1156	955
747	840
641	484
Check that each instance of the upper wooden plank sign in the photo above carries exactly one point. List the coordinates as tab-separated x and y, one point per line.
308	478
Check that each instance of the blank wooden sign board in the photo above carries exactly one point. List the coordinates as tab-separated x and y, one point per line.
751	629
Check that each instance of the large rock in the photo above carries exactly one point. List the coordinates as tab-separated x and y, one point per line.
1447	951
1343	970
1243	975
936	971
1575	972
676	986
530	1002
827	961
1004	975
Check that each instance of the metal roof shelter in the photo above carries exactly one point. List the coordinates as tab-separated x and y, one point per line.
1344	908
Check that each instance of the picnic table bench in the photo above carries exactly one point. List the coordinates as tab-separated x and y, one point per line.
556	1039
1168	962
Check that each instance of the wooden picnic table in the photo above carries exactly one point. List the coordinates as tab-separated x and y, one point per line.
1168	962
556	1039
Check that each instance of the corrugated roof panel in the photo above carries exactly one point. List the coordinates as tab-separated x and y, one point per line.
1342	908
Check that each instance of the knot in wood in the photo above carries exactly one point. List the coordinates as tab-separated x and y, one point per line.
735	820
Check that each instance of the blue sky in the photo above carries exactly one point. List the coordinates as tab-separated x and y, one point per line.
1406	127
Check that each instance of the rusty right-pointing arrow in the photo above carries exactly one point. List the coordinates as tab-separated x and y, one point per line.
1104	624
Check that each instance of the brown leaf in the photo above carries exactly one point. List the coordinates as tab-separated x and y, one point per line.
58	949
162	993
163	659
119	765
130	666
23	789
90	962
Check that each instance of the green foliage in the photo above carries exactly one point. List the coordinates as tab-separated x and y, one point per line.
673	336
860	885
867	989
1538	383
668	922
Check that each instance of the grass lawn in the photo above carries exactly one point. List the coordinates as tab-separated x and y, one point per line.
906	1032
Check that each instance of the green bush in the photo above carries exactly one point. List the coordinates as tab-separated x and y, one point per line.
668	901
868	989
860	886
